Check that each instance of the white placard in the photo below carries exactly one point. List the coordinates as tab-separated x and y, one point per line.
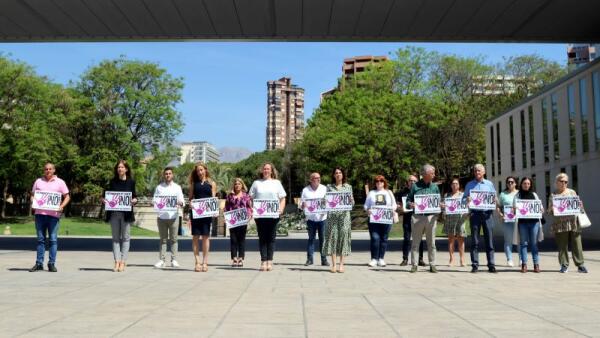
339	201
315	206
509	214
205	207
456	206
404	207
482	200
237	217
382	214
163	203
46	200
531	209
427	204
268	208
566	205
117	201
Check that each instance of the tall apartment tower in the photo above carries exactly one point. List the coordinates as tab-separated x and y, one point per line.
285	113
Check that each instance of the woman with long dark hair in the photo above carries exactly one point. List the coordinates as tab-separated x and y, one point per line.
201	186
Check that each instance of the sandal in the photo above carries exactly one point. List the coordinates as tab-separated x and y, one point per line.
205	267
122	266
269	267
263	267
341	268
241	263
332	269
198	267
234	263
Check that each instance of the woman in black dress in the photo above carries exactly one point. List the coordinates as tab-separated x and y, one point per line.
201	186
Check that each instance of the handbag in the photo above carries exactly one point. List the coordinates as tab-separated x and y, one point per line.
583	220
396	216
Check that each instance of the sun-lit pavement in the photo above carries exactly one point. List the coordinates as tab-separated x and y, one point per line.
85	298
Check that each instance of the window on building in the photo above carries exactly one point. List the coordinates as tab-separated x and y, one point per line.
572	115
523	141
583	102
563	170
493	151
533	181
554	108
499	185
545	130
596	91
574	178
512	143
531	137
498	148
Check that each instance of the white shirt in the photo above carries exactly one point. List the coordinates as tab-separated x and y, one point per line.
381	197
172	189
308	193
267	190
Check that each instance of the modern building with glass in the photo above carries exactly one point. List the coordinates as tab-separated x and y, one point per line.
557	130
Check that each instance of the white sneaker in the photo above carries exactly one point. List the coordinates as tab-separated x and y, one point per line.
381	262
159	264
372	263
174	264
510	263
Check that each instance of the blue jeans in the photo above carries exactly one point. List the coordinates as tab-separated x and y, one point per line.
313	228
379	236
482	220
46	225
528	234
508	239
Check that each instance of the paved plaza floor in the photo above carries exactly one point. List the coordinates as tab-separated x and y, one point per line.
85	298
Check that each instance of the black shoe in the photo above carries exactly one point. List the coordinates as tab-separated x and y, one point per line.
492	269
37	267
52	267
324	262
433	269
474	269
422	262
404	262
308	262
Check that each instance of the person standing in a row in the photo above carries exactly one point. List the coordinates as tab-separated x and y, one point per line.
407	223
506	200
167	221
423	223
566	229
201	186
315	223
528	230
238	198
379	232
120	221
338	237
454	226
47	221
481	219
267	187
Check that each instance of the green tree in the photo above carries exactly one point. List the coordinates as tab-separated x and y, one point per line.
129	113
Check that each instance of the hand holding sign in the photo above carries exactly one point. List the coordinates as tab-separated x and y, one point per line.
47	200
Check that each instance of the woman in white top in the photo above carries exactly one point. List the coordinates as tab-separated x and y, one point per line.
267	187
379	232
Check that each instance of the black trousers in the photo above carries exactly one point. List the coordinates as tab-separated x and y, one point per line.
267	232
237	239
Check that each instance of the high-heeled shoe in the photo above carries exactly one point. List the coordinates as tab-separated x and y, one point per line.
198	267
116	268
122	266
205	267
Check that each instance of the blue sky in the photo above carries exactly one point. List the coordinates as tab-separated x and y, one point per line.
225	82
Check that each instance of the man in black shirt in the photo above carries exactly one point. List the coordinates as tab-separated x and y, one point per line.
406	223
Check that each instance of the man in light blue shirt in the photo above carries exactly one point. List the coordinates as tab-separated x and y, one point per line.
481	219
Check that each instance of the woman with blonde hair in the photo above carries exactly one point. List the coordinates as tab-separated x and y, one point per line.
201	186
267	187
566	229
238	198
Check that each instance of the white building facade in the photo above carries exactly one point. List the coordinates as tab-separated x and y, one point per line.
198	151
557	130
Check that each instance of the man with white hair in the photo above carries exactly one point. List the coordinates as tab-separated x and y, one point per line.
481	219
423	223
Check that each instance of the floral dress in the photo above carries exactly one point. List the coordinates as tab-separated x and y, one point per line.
455	224
338	234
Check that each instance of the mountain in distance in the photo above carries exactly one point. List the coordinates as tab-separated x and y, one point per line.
234	154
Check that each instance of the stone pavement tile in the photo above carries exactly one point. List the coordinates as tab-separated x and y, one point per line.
541	333
259	330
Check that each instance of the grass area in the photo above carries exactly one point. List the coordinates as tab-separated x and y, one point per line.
73	226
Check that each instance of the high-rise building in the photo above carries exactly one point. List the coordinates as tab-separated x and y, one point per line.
358	64
285	113
580	54
198	151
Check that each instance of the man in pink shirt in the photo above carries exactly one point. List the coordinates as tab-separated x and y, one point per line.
46	220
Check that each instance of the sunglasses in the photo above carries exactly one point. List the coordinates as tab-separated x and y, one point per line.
378	181
510	182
